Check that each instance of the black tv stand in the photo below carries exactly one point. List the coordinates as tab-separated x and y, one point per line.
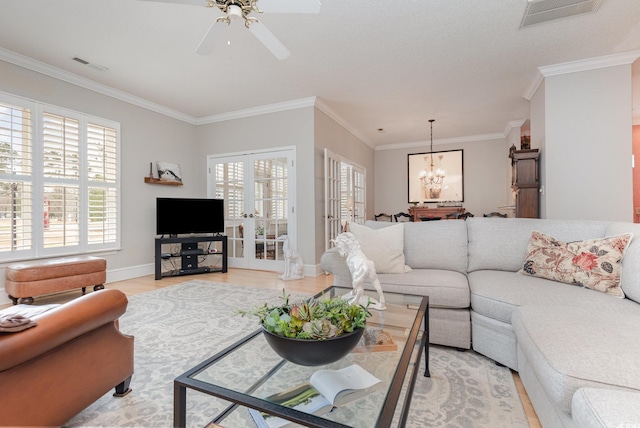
189	253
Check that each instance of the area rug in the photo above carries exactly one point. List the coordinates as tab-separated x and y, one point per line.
177	327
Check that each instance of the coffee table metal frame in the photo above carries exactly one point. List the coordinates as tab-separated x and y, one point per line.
245	399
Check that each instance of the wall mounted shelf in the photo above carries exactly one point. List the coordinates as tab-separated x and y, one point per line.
152	180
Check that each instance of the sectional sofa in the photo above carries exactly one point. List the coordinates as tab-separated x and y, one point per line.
576	349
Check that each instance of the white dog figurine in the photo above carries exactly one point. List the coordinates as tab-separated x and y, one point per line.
361	269
292	261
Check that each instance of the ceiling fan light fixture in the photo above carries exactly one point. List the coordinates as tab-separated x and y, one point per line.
234	12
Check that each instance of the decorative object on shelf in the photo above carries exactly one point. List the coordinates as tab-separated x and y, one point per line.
234	10
152	180
361	268
525	142
168	171
293	265
426	175
314	331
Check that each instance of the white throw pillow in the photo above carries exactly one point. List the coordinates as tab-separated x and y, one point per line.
384	247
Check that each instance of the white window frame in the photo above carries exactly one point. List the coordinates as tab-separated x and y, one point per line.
38	182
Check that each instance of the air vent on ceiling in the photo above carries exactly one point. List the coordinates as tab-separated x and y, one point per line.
80	60
547	10
88	64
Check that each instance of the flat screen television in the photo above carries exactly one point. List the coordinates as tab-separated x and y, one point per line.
179	216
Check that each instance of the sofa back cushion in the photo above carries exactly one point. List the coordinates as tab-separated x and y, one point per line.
433	244
630	277
436	245
383	246
501	243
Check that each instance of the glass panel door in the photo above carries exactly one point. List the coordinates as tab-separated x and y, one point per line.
259	213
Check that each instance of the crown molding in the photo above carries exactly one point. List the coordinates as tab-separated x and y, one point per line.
513	124
590	64
533	86
443	141
577	66
322	106
83	82
257	111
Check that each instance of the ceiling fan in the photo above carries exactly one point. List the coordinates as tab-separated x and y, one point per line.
236	9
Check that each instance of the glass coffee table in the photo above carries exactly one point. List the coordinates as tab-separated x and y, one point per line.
244	374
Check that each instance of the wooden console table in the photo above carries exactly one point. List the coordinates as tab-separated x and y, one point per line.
418	212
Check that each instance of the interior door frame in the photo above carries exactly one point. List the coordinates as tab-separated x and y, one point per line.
249	260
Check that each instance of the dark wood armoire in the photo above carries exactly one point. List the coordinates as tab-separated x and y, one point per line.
525	182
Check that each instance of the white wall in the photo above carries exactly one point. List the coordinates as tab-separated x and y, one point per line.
537	121
588	144
486	165
281	129
146	137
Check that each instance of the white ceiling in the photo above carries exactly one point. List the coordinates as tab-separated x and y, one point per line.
386	64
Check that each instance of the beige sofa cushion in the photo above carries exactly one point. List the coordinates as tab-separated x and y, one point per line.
384	247
592	263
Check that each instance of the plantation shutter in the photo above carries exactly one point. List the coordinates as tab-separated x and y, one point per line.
16	180
59	181
61	168
102	172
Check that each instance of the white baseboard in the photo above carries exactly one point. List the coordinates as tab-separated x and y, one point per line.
123	274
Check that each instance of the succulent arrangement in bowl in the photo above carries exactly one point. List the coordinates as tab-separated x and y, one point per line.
315	319
312	332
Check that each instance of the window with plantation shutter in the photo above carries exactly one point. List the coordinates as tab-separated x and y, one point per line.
102	173
16	180
59	181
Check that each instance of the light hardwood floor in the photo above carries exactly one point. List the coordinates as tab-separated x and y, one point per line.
250	278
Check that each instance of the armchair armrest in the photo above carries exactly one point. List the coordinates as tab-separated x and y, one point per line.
61	325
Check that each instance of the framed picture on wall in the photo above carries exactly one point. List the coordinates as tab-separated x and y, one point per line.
436	177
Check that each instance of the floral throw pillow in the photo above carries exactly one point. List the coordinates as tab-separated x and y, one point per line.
593	263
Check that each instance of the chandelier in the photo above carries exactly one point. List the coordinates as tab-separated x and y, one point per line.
432	180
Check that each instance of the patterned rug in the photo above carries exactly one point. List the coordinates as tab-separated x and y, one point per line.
177	327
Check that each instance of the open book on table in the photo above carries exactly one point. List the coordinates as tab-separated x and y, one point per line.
325	390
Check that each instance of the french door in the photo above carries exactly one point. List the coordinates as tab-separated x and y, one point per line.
258	192
345	190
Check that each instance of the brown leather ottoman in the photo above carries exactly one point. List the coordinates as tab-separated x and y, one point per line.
25	280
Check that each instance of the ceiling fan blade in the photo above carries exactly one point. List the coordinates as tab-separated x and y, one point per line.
189	2
289	6
269	40
210	38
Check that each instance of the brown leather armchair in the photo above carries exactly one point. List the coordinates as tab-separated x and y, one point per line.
76	353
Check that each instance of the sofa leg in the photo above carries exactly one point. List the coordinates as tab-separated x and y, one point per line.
122	388
84	290
26	301
98	287
13	299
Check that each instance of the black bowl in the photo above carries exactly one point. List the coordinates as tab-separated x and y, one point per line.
311	352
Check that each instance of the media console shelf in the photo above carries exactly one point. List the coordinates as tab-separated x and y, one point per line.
189	253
